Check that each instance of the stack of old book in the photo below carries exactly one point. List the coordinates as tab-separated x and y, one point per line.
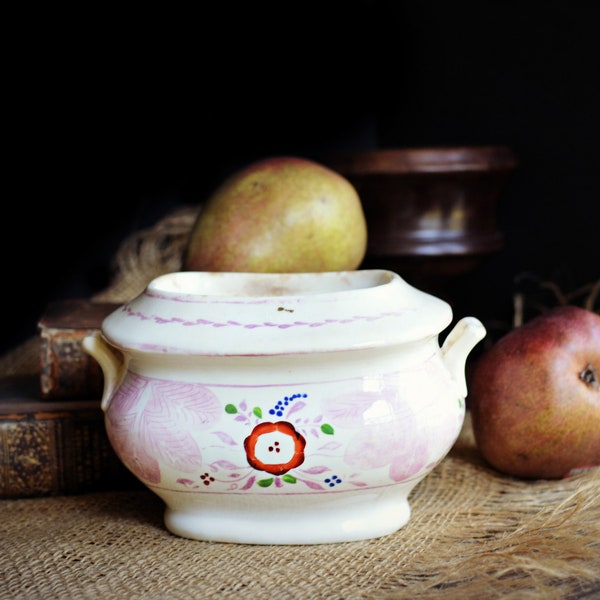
52	435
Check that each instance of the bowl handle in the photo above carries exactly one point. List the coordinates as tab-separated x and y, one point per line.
111	361
456	347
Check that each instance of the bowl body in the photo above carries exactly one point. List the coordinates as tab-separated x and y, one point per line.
282	409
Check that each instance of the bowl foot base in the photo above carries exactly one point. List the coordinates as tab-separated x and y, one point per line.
308	525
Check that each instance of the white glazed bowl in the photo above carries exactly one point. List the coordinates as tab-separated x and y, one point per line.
283	408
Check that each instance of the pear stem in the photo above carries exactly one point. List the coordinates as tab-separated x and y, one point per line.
590	377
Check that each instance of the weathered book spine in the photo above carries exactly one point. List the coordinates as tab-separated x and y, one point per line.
66	370
50	448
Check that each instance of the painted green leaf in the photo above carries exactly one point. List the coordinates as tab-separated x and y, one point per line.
231	409
257	412
328	429
289	478
265	482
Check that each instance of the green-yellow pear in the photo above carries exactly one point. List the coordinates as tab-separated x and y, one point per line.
280	215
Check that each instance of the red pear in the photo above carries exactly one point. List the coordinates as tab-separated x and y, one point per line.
535	396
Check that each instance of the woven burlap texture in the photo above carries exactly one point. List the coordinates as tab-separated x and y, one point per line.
473	533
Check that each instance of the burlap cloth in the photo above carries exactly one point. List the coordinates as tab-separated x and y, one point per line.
473	533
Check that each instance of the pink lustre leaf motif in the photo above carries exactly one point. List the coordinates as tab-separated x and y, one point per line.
368	449
121	419
386	431
192	403
225	438
348	409
159	424
406	465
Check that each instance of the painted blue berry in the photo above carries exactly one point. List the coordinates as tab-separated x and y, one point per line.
333	481
281	404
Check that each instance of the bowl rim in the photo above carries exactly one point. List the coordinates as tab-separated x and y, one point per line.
433	159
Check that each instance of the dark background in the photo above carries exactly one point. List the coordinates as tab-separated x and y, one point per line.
116	119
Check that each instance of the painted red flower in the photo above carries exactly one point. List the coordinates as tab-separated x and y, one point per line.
275	447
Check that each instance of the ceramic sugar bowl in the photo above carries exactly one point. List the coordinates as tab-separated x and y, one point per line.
283	408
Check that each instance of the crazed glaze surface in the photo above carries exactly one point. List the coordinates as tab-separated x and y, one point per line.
304	411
